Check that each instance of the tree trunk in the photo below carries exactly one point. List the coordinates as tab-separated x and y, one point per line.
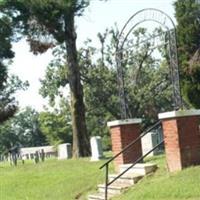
81	145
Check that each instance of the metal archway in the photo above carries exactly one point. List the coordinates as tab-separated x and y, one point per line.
160	17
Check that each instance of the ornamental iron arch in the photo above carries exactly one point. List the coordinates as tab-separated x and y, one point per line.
160	17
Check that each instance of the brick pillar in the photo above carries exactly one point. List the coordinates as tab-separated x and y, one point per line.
181	138
123	132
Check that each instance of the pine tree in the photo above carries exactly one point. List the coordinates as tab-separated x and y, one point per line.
46	24
7	108
188	29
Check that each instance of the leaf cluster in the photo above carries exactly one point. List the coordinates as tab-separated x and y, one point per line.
8	84
56	126
188	29
22	130
33	19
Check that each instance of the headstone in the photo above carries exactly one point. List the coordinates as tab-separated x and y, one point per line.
64	151
23	157
147	143
36	157
150	140
13	155
32	156
42	155
96	148
14	158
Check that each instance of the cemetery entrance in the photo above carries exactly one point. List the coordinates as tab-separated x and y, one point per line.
180	127
165	37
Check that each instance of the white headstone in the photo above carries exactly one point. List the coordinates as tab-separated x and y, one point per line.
96	147
147	144
149	141
64	151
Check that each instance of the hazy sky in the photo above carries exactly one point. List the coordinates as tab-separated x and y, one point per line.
98	16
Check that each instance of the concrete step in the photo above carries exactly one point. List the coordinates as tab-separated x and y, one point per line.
99	196
113	189
125	181
129	179
140	168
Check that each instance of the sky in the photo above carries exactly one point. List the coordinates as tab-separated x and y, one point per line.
97	17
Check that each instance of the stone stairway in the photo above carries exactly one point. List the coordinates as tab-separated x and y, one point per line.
127	180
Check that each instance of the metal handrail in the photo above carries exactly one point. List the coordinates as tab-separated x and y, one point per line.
106	164
138	160
132	143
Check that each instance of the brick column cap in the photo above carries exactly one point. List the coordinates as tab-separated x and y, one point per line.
124	122
179	113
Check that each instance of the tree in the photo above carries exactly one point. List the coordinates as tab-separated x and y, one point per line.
8	138
48	23
22	130
93	76
146	82
9	84
147	76
26	127
8	104
7	108
188	29
56	125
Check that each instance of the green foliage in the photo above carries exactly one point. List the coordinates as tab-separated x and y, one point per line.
5	39
21	130
188	18
43	22
56	125
9	84
5	47
147	83
8	104
56	76
100	89
147	78
8	138
46	24
6	108
26	124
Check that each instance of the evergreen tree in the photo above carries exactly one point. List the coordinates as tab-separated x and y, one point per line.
188	31
46	24
7	106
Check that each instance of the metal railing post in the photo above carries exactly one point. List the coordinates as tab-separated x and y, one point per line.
106	164
106	183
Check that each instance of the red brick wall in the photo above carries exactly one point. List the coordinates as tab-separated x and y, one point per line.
189	140
116	143
123	135
171	141
182	142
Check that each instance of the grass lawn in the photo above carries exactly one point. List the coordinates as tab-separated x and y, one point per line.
51	180
74	179
183	185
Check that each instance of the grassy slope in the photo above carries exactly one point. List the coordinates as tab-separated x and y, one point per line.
73	179
52	180
166	186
